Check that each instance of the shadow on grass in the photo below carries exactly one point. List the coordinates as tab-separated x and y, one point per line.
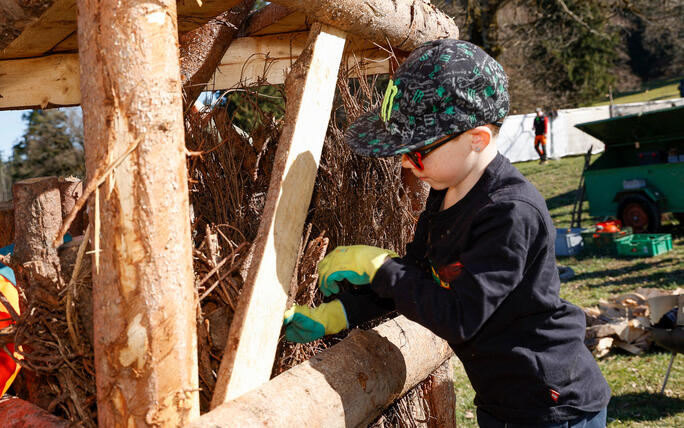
643	406
567	198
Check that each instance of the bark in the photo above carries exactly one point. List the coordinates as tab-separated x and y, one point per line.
6	223
348	384
17	413
417	191
404	24
38	216
201	50
441	397
15	15
143	292
70	189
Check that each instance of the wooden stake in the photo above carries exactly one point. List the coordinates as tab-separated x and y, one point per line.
253	337
6	223
347	385
144	300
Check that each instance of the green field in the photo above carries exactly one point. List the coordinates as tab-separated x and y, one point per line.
635	380
652	91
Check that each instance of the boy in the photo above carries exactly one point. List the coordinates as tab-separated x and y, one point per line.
481	269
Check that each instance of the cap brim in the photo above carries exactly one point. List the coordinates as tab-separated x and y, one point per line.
369	136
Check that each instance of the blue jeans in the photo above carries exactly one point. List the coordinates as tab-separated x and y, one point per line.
591	420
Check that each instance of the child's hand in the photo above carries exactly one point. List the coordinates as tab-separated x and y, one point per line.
356	264
304	324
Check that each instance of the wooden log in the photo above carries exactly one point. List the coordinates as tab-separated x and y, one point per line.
404	24
144	301
201	50
348	384
37	218
254	330
17	413
441	397
70	189
6	223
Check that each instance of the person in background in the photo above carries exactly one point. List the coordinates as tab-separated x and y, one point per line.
541	125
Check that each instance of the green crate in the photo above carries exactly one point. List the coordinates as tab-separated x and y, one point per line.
644	245
603	243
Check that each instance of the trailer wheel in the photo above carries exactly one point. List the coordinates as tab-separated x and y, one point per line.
640	213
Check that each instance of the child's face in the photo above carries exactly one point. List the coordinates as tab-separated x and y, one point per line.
448	165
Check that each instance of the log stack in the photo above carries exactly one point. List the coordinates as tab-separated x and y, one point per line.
623	322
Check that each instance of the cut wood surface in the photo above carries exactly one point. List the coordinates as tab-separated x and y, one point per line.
347	385
254	330
144	299
201	49
404	24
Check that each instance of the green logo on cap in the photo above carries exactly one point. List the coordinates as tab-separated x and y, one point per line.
390	93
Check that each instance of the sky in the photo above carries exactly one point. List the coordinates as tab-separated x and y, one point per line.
12	127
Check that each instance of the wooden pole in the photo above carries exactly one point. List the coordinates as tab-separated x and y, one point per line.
17	413
144	300
70	189
201	49
253	337
404	24
347	385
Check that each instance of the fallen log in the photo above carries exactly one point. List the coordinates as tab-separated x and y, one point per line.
404	24
17	413
349	384
201	50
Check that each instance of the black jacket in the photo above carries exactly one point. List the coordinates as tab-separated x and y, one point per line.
482	275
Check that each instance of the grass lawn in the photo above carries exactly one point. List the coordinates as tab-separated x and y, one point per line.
652	91
634	380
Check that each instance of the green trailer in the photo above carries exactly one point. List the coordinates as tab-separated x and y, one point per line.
640	175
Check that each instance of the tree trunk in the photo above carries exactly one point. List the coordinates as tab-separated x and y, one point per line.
404	24
37	218
201	50
144	299
439	393
349	384
6	223
70	189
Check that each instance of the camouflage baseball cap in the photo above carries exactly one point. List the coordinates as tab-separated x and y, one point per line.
444	87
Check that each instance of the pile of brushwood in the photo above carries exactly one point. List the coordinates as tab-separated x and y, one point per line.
356	200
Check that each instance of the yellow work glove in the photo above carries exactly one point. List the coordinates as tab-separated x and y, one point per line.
304	324
356	264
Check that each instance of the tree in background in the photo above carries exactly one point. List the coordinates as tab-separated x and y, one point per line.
565	53
52	145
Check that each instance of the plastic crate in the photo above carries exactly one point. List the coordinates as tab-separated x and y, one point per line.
568	242
644	245
603	243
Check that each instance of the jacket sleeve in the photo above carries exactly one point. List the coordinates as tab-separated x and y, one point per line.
493	266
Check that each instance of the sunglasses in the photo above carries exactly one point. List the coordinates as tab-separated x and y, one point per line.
416	157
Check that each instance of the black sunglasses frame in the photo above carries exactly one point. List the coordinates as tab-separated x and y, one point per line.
416	157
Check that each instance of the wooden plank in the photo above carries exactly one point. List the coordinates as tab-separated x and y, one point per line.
16	15
347	385
53	81
254	330
39	82
275	19
58	23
